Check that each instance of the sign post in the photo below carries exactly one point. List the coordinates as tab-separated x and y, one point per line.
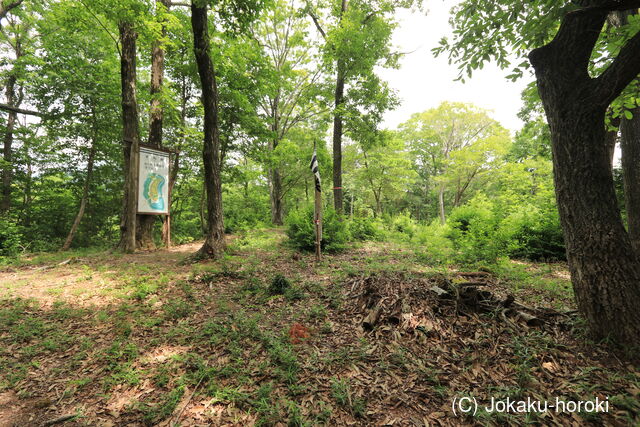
153	184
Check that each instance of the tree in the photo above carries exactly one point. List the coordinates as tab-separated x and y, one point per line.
214	238
144	232
605	268
628	118
130	135
469	164
17	36
357	37
75	80
294	88
437	133
383	169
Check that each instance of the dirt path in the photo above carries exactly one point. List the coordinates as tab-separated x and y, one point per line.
93	280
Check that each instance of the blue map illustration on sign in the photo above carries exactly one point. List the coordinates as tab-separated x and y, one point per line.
152	191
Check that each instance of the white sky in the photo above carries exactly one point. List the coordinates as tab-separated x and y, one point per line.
424	82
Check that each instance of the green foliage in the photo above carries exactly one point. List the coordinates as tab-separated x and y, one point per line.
279	285
245	208
154	413
364	229
403	224
472	228
301	230
10	238
433	247
534	234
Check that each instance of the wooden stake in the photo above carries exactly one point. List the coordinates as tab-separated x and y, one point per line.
318	223
167	230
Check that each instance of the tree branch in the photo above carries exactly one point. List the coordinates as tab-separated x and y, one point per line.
612	5
621	72
7	107
5	9
104	27
317	23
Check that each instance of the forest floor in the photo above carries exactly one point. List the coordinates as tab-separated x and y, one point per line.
104	339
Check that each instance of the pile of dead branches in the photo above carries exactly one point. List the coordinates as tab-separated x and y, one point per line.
408	301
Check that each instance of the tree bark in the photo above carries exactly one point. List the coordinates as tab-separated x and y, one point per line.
337	139
630	147
7	170
14	102
605	270
173	176
338	127
85	189
214	239
130	136
277	214
28	197
144	232
630	152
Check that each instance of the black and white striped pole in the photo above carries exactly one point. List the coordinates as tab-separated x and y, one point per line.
317	216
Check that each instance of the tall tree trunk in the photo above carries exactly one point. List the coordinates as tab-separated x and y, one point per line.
277	215
130	136
275	176
337	138
85	189
337	126
605	269
214	239
630	151
378	197
7	170
144	232
630	146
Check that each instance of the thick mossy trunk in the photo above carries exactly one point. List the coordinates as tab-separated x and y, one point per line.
214	238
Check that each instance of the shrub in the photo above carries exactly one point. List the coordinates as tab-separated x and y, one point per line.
432	244
301	230
473	231
364	229
9	238
534	234
279	285
404	224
